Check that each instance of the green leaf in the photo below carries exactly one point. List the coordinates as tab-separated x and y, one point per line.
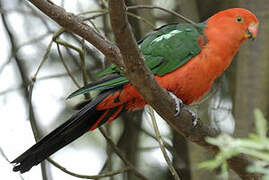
260	123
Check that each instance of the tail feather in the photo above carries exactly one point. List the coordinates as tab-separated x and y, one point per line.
75	127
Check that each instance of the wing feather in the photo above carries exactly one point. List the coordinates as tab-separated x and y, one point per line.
164	50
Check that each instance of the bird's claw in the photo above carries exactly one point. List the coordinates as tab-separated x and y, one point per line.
194	114
179	105
178	102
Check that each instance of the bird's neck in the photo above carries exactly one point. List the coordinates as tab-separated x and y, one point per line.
219	51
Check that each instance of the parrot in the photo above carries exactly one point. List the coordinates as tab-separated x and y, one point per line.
185	60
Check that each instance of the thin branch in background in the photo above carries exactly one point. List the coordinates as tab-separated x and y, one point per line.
34	40
92	11
94	26
23	75
85	75
4	155
104	12
161	143
45	56
57	75
109	151
121	155
105	165
9	90
163	9
66	67
73	57
2	93
66	44
166	144
95	16
107	174
144	20
4	65
43	59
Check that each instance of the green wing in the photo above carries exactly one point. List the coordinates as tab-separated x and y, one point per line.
164	50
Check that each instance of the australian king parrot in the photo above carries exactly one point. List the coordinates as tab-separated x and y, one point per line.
185	59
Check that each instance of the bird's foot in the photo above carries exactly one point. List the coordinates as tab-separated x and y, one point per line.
194	114
180	104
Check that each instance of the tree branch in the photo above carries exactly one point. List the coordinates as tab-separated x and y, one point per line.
161	144
121	155
82	176
139	75
128	55
157	97
76	25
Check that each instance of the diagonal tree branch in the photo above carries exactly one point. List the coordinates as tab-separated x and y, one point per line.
161	144
139	75
130	61
76	25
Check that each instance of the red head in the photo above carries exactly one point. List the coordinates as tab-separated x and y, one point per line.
235	24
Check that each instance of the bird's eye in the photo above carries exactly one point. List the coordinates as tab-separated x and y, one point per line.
239	19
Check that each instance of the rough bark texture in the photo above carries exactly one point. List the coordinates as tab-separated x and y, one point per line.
131	121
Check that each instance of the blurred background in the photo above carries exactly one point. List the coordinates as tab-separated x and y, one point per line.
27	51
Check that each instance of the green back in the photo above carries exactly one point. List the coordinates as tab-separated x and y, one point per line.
164	50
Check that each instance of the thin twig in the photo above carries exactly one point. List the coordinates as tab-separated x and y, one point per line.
95	16
66	44
92	11
85	75
144	20
39	38
45	56
43	59
57	75
4	155
9	90
110	173
4	65
66	67
166	144
163	9
161	143
121	155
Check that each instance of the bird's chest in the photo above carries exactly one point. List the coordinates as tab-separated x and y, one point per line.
189	82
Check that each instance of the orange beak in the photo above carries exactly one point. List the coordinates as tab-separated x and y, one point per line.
252	31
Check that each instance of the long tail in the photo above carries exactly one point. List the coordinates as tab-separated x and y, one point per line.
88	118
